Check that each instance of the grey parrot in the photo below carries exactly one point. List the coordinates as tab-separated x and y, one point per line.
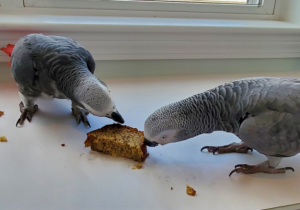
59	67
263	112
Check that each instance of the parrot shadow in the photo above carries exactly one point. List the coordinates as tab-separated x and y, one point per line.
58	112
45	118
61	117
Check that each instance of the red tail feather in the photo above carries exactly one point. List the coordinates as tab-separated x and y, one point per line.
8	50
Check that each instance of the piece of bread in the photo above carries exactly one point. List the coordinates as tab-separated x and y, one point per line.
119	141
3	139
1	113
190	191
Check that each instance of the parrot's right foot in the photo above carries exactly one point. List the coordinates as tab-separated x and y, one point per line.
80	115
252	169
233	147
26	113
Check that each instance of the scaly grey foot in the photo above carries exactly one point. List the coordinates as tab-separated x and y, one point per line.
252	169
80	115
27	113
233	147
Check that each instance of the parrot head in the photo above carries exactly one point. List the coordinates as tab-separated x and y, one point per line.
166	125
96	98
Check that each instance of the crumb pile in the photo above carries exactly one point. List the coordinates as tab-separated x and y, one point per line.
119	141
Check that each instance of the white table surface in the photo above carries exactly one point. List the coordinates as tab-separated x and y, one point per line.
36	172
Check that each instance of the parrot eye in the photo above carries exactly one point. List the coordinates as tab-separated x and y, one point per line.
163	137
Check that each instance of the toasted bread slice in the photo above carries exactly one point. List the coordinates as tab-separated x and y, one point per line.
119	141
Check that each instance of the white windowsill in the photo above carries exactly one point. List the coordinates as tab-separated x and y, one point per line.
123	38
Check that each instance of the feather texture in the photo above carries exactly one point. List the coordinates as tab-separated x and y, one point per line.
59	67
264	112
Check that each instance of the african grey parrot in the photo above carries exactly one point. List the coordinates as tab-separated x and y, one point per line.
59	67
263	112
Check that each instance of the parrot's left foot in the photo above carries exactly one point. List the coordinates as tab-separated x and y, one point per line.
27	113
252	169
80	115
233	147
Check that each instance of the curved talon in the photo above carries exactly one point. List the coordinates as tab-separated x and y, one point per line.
19	120
35	106
234	170
21	104
289	168
239	165
87	122
80	116
206	147
215	150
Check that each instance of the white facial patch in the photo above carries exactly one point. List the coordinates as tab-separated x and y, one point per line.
165	137
103	106
102	113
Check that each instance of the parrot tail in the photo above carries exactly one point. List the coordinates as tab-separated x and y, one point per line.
8	50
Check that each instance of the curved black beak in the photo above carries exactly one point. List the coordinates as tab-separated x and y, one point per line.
150	143
117	117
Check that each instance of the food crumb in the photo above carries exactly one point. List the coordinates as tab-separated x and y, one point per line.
190	191
171	188
3	139
137	166
63	145
1	113
93	158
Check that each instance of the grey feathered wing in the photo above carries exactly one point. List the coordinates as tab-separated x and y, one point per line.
274	128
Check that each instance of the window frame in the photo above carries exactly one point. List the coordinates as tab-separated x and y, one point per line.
11	4
267	7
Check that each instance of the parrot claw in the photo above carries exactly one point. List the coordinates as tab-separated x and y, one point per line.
289	168
19	120
80	115
239	165
203	148
87	122
252	169
215	150
233	147
26	113
210	149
